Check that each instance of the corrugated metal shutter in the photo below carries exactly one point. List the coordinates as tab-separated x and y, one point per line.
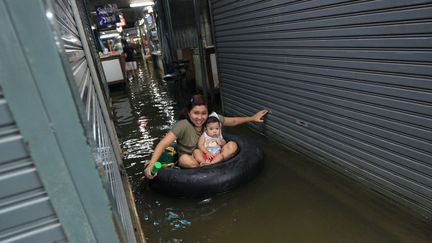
348	82
183	23
90	93
24	203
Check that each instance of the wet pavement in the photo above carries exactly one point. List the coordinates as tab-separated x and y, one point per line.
292	200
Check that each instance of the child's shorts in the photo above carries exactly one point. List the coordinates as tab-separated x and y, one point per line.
204	155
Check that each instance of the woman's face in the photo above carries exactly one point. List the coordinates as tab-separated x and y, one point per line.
198	115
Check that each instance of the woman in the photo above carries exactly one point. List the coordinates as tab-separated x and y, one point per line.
188	130
131	65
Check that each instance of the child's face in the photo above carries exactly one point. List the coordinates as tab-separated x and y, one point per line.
213	129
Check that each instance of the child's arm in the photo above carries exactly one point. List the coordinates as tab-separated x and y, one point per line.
201	147
201	144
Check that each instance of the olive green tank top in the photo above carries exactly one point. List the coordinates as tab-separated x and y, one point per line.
187	136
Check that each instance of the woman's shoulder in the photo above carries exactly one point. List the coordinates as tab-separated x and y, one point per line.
183	122
180	125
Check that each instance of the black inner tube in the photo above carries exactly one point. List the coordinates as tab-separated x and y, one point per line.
212	179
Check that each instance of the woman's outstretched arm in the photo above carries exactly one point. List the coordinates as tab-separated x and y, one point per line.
162	145
234	121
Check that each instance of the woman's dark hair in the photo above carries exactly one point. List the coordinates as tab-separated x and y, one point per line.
124	43
212	119
191	103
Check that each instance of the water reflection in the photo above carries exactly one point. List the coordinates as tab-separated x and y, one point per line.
143	114
292	200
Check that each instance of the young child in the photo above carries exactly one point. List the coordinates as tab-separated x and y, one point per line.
211	141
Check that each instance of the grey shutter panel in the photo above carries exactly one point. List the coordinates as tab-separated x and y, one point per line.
26	211
91	97
348	82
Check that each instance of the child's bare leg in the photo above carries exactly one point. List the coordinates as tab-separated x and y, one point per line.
188	161
197	154
199	157
227	151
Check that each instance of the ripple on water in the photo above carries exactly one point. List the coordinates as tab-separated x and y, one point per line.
131	165
172	219
143	116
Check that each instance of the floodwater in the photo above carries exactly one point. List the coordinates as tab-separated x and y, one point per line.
292	200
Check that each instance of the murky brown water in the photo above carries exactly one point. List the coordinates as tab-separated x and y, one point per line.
292	200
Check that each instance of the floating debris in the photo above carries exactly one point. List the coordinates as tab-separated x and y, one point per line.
206	201
171	215
185	222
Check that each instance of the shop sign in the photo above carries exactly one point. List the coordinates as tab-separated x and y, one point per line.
107	14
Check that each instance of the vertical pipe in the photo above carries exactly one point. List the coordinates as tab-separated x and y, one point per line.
209	5
206	89
170	30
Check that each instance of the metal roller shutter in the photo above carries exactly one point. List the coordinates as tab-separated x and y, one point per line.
348	82
56	191
24	201
77	41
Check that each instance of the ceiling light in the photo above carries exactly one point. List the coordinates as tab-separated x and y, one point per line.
141	4
107	36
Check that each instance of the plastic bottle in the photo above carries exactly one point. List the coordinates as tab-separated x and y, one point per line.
156	167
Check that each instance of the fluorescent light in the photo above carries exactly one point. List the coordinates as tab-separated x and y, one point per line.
141	4
106	36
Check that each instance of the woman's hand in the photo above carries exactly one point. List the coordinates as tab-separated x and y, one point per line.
147	172
165	142
258	117
234	121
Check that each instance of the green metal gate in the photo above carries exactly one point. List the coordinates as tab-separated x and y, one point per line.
58	167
